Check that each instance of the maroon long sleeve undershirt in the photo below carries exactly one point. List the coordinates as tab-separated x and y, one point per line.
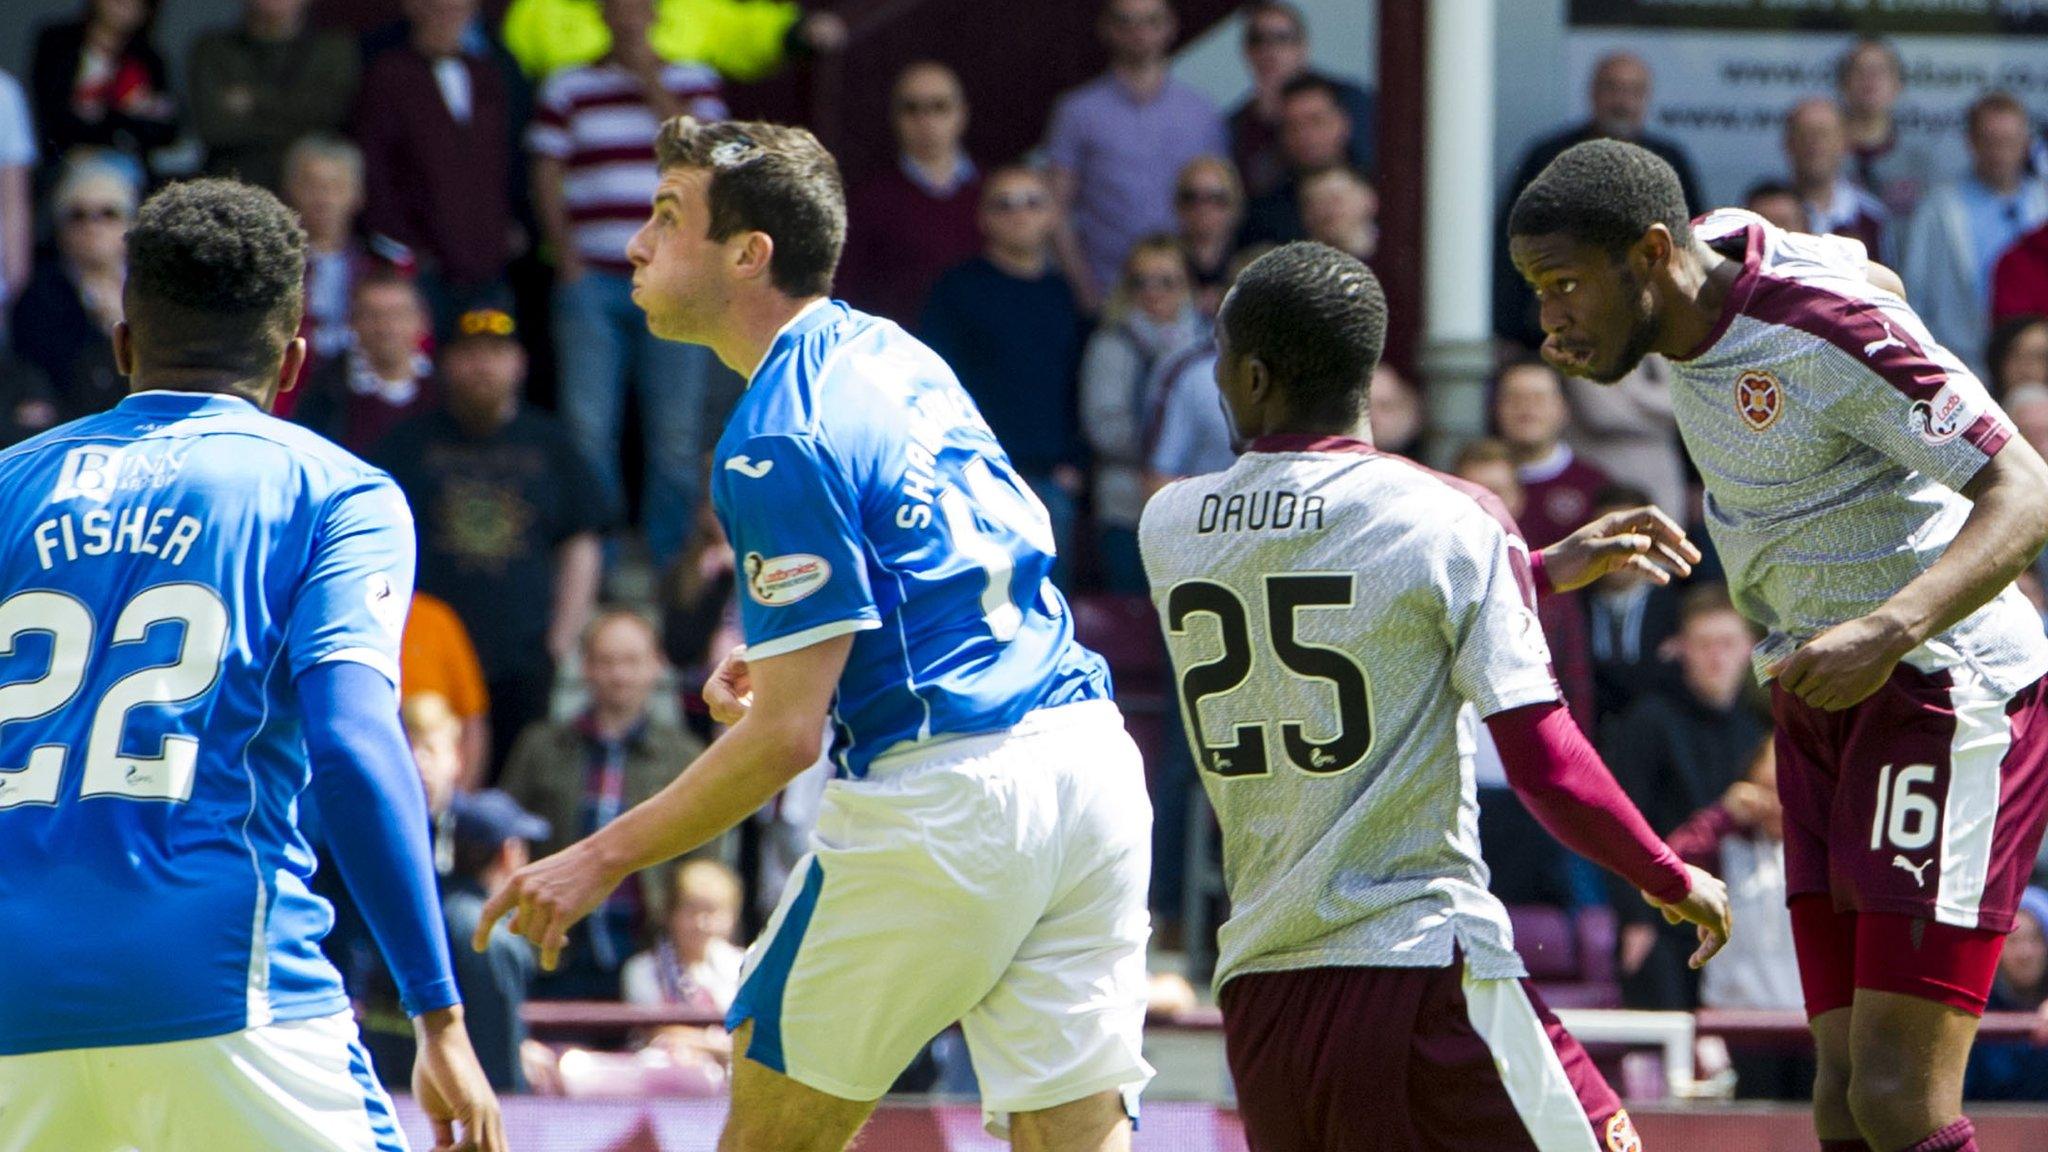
1571	793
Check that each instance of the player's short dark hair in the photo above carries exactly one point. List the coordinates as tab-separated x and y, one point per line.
1311	82
216	278
1317	319
768	178
1603	192
1703	601
1620	494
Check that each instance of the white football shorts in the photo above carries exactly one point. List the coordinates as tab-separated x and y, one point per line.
305	1085
998	881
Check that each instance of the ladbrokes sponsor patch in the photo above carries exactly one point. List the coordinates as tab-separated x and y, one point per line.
777	580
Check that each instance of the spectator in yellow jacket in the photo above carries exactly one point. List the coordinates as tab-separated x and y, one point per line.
741	39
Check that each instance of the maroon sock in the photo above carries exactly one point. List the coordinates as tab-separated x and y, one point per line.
1856	1145
1957	1135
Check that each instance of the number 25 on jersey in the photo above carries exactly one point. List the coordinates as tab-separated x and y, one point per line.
1286	597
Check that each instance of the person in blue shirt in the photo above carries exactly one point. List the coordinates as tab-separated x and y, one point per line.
200	610
982	854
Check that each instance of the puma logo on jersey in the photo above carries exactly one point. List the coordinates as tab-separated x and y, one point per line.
1891	340
748	468
1918	870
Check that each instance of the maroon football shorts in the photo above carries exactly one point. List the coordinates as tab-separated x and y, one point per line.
1924	803
1411	1059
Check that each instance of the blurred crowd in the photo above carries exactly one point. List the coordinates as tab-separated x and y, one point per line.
468	187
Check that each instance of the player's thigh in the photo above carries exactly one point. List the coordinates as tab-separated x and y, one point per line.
1098	1123
900	920
53	1102
1493	1068
1065	1020
1320	1058
772	1113
1942	794
302	1084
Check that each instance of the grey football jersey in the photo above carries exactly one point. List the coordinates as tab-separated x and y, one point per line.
1834	436
1329	611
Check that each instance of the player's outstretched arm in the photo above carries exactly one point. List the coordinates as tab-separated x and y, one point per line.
376	819
2006	529
1571	793
1644	539
776	739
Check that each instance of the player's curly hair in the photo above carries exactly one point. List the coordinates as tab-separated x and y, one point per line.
1603	192
1317	319
767	178
216	279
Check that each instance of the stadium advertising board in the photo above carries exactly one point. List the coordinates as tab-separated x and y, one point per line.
1726	71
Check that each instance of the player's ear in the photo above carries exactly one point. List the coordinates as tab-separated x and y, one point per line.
1653	250
756	253
124	348
291	366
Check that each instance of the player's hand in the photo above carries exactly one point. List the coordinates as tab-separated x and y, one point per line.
1643	539
729	691
1842	666
451	1088
546	898
1705	907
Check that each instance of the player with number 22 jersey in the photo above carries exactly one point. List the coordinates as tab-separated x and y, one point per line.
200	611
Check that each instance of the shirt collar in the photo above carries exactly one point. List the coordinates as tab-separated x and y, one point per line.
806	319
165	402
1305	442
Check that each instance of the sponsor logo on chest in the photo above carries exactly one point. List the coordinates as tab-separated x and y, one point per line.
774	581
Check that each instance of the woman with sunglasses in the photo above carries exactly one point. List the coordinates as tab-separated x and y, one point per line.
63	323
1208	206
1150	321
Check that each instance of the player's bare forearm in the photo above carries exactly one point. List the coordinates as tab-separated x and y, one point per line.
2007	527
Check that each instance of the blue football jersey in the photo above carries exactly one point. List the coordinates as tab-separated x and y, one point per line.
863	493
167	568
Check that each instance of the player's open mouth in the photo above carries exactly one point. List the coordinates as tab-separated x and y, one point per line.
1568	356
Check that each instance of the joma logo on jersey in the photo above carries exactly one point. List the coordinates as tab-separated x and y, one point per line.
1942	418
777	580
1759	400
96	473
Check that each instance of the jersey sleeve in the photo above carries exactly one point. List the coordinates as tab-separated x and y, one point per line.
1908	399
352	602
1499	658
794	522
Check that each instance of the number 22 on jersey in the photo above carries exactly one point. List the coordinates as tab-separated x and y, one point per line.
1286	597
167	775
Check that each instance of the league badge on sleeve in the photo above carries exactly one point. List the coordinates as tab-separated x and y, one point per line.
774	581
1943	418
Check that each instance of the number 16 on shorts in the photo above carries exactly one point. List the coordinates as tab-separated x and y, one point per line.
1907	820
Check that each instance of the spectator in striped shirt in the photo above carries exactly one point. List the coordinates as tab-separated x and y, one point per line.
592	141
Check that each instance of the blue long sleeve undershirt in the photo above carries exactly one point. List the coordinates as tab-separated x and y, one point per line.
376	823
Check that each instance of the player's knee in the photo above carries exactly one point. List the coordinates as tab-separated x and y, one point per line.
1831	1086
1888	1103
